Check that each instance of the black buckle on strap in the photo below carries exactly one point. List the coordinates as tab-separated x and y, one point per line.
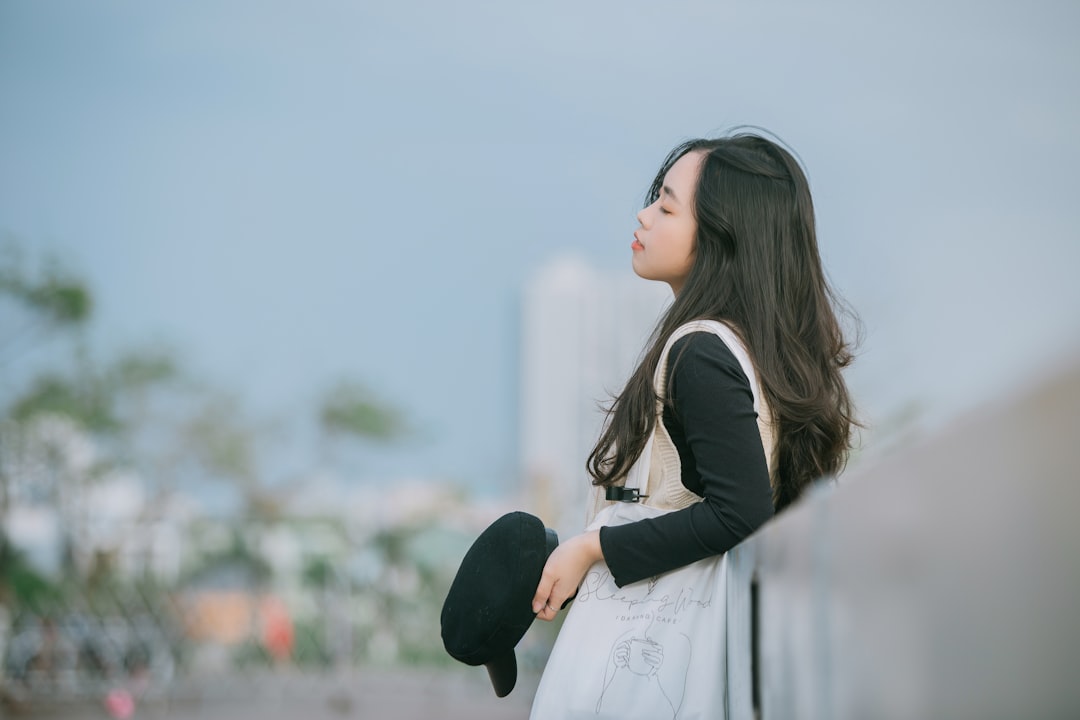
623	494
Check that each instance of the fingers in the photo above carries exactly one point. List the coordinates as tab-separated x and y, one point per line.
543	593
562	574
548	612
549	598
558	596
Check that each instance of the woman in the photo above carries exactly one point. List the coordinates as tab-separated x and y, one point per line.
730	227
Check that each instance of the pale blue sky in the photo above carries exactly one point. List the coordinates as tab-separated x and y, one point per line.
296	192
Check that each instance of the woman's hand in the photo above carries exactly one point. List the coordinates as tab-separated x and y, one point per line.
564	571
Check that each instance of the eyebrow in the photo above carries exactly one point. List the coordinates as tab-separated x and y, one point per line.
670	193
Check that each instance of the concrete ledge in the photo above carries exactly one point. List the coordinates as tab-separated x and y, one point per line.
942	582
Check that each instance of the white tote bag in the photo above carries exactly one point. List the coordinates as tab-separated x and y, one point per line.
651	649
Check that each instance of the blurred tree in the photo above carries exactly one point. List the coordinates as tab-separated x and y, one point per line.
141	388
136	372
33	306
142	412
349	408
319	572
84	400
107	405
221	440
52	299
20	584
407	593
350	414
56	401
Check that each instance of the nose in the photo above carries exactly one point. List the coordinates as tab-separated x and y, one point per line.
641	216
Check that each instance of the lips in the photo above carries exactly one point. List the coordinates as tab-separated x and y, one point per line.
636	245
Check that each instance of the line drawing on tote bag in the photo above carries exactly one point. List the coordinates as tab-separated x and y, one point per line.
636	658
649	661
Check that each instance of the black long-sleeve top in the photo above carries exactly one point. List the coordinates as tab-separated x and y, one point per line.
713	426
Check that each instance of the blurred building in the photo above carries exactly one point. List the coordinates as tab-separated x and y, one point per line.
582	334
45	471
64	513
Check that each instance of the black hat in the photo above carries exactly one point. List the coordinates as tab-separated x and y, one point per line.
489	606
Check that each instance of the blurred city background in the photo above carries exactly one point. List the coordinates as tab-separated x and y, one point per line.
295	299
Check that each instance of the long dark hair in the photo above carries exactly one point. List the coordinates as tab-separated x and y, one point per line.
756	266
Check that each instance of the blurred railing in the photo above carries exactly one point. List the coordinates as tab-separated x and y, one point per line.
88	645
220	629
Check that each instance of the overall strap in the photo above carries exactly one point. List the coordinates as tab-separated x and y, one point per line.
730	338
656	473
662	470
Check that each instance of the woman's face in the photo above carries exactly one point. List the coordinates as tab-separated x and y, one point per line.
664	244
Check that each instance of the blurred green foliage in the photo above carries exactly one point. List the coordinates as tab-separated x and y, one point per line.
54	296
351	409
142	412
137	371
87	402
21	585
221	440
319	572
